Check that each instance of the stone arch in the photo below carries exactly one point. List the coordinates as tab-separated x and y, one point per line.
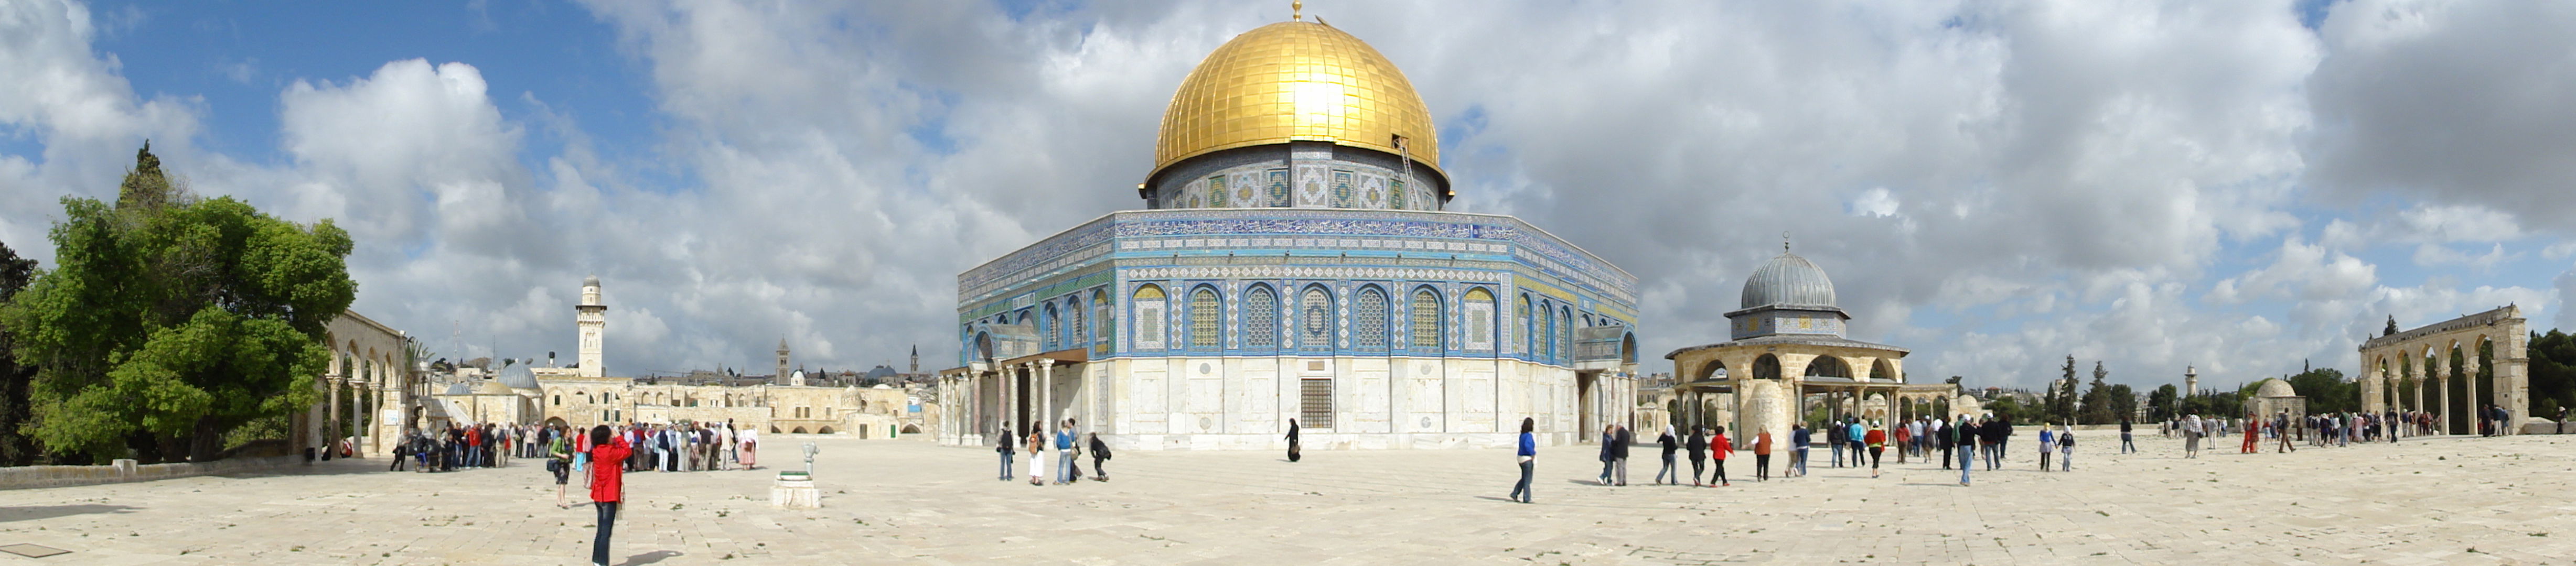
798	430
1478	312
1767	366
827	429
1048	325
1828	365
912	429
1151	313
1880	370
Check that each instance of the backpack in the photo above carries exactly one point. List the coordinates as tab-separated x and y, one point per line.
2066	439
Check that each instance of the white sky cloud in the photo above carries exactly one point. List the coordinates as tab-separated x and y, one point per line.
1994	184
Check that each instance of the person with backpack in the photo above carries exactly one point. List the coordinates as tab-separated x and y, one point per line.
1697	448
1004	448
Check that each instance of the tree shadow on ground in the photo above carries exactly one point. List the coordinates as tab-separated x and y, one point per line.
650	557
8	514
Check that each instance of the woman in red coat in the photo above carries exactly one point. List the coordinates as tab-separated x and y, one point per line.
607	485
1720	447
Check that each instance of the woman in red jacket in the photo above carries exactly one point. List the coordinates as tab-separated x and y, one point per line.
1720	447
1877	439
607	485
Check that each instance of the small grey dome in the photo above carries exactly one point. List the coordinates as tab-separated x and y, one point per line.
518	377
591	281
881	373
459	389
1788	281
2276	388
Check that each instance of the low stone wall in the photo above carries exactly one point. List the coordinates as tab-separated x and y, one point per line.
23	477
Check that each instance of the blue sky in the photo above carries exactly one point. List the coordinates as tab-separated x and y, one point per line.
2244	186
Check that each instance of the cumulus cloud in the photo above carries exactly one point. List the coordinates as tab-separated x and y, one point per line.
1995	184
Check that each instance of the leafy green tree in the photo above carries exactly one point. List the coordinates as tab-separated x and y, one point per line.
2327	391
15	448
170	320
2553	372
2098	407
2164	403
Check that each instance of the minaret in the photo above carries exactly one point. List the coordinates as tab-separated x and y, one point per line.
2190	381
782	361
593	320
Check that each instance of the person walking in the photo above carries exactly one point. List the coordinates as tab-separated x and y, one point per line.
2281	434
1037	454
1762	456
1609	451
1964	435
2066	449
2047	443
751	447
1876	439
1670	445
1720	447
2253	441
1904	440
1065	473
607	487
1099	453
559	461
1945	439
2191	436
1626	438
1798	438
1697	448
1526	451
2127	445
1292	440
1834	441
1858	436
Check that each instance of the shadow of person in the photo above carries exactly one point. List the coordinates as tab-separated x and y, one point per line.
650	557
8	514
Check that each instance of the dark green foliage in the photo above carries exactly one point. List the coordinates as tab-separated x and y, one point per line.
2553	372
2327	391
169	321
15	448
2164	403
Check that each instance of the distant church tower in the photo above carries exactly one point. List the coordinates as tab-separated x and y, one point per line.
916	359
782	362
593	320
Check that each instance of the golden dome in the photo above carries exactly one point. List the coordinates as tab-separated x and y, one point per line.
1302	81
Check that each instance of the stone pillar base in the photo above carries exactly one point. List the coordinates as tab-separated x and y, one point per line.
795	490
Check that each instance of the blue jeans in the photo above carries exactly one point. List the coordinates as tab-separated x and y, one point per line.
1966	460
1521	491
1006	466
607	522
1838	455
1802	460
1064	466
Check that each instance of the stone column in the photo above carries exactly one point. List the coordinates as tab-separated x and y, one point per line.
1044	413
332	423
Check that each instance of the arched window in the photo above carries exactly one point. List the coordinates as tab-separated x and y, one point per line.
1149	317
1315	321
1109	328
1564	334
1768	367
1204	317
1547	332
1368	320
1824	366
1425	327
1073	325
1047	328
1260	319
1479	306
1528	345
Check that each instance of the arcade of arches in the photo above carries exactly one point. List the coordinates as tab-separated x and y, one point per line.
2452	368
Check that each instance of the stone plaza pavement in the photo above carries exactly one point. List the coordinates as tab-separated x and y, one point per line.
2436	501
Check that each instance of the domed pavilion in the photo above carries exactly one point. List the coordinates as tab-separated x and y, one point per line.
1293	259
1786	355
